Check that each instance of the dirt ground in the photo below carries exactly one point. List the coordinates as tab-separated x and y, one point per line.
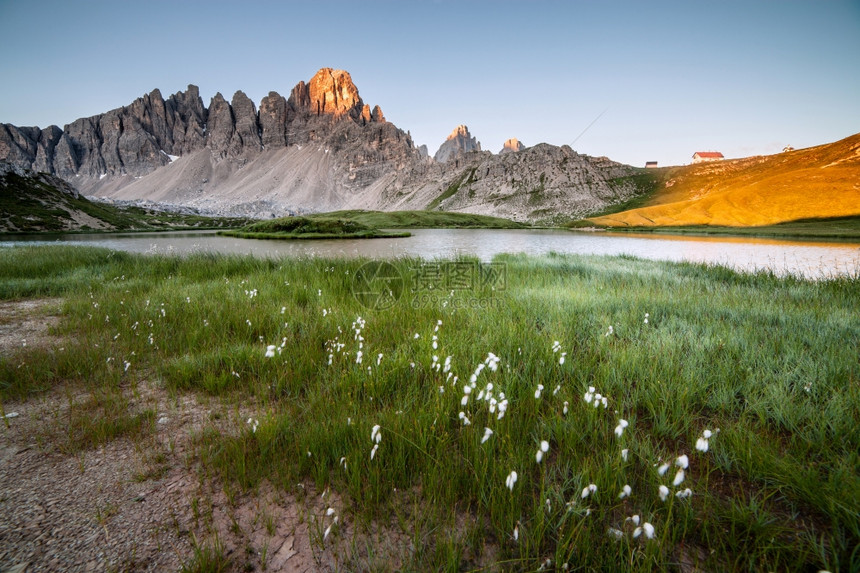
142	505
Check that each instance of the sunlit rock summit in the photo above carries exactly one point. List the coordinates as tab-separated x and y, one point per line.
458	143
512	145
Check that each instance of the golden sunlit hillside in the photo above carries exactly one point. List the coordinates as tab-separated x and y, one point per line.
816	182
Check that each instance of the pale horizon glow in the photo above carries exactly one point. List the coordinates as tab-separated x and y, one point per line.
670	78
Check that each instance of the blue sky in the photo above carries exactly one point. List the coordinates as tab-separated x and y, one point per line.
673	78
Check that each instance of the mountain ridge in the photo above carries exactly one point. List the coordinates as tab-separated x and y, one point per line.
321	148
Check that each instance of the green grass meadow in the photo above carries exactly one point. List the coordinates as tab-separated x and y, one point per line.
390	407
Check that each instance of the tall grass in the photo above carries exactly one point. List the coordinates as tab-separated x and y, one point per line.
771	362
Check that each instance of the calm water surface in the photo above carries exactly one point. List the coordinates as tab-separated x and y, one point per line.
807	258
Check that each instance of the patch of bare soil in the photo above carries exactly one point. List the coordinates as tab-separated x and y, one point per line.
142	504
27	323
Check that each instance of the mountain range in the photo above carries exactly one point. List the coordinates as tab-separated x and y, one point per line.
320	149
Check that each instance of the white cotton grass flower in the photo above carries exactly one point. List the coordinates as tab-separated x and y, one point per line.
566	408
343	462
562	357
646	318
328	529
702	444
544	448
685	493
633	518
588	490
556	346
253	423
663	469
683	462
516	534
619	429
679	478
465	420
610	331
624	453
663	492
538	391
502	407
625	492
487	433
646	528
329	512
511	480
373	451
376	434
270	351
615	534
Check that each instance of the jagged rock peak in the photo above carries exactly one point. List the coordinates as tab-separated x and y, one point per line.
512	145
459	142
459	131
332	91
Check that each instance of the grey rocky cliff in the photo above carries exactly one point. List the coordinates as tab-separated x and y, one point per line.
133	140
458	143
543	183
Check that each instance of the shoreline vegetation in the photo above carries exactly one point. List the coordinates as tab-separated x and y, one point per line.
309	229
847	228
603	413
364	225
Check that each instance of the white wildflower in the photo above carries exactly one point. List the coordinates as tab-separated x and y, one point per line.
664	492
511	480
625	492
487	433
619	429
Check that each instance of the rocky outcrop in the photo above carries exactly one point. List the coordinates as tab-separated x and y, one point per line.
512	145
458	143
273	120
132	140
542	183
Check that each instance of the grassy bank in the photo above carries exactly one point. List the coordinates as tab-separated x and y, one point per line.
373	404
310	228
826	228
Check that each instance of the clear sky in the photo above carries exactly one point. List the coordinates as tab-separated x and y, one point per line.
741	77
